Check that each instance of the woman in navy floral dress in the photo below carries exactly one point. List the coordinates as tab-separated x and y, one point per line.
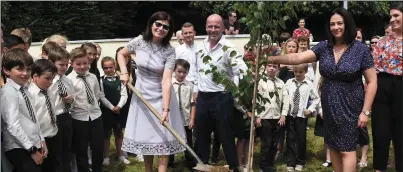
345	105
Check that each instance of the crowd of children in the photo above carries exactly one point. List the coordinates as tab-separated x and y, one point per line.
64	107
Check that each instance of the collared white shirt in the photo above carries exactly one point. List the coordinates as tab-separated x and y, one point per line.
123	95
41	111
186	97
188	53
19	131
273	109
53	89
307	90
230	65
82	110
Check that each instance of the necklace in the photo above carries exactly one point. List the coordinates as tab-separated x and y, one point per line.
340	51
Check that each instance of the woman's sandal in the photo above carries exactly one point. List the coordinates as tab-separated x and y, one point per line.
362	164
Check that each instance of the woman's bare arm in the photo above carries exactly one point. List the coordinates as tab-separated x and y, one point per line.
294	58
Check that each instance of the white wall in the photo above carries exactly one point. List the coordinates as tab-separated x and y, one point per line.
109	46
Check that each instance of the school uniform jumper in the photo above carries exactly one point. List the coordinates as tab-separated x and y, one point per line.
116	95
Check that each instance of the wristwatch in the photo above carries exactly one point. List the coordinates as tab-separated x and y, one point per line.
366	113
33	150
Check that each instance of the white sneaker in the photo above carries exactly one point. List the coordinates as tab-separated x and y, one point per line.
124	160
299	168
290	169
106	161
140	158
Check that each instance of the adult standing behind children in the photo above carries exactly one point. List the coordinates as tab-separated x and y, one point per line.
214	103
301	30
187	51
231	24
155	59
343	61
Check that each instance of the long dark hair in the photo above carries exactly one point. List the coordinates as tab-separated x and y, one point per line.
350	30
160	15
396	6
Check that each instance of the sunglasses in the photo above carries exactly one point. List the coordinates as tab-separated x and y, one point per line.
248	48
373	42
106	68
164	26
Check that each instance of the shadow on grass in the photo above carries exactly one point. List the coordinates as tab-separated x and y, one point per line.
315	158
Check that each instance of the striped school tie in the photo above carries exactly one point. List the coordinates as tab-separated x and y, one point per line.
63	93
296	100
29	105
49	106
87	89
276	91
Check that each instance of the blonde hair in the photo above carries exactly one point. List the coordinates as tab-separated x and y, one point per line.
57	38
303	66
24	33
284	49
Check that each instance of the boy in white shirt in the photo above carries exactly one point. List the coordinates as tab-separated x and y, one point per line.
300	89
43	72
62	89
272	120
86	114
23	142
184	94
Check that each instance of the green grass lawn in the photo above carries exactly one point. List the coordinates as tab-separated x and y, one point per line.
315	157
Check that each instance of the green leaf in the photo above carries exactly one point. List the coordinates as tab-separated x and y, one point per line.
225	48
214	68
233	53
260	5
206	59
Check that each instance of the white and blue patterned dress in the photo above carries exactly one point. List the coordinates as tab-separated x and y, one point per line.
144	134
